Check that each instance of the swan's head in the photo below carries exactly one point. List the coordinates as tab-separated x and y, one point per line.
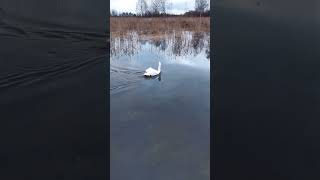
159	66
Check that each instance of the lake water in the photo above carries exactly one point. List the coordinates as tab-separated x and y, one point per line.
160	127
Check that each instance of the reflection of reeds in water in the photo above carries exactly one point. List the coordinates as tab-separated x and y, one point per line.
208	48
127	44
176	43
197	42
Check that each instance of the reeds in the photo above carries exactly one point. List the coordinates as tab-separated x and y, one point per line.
158	25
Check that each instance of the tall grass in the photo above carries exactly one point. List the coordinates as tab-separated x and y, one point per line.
158	25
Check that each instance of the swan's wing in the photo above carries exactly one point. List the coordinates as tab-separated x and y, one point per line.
150	70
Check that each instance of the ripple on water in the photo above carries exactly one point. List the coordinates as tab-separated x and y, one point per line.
123	78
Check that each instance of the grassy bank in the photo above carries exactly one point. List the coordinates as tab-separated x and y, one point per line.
158	25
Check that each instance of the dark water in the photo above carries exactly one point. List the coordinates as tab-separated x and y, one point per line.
53	105
160	126
266	90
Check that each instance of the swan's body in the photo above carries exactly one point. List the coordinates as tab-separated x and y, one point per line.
153	72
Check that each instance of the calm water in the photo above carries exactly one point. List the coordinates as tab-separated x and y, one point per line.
160	127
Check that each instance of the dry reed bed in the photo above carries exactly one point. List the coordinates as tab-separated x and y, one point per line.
158	25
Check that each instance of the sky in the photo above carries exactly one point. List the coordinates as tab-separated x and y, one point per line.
178	6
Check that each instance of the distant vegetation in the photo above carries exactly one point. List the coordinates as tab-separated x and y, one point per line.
158	25
159	8
148	14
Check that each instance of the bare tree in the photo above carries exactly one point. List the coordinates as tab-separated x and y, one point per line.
163	6
201	5
155	6
160	6
141	7
186	7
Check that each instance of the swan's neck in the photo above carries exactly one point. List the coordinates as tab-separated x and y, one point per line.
159	67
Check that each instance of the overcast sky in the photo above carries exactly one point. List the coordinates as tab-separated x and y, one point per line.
178	6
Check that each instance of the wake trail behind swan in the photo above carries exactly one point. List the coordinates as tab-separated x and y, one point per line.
123	78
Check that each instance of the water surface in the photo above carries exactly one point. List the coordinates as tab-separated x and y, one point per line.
160	126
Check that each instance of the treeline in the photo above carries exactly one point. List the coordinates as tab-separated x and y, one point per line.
159	8
187	14
197	13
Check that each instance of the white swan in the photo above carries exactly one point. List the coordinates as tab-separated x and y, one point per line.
152	72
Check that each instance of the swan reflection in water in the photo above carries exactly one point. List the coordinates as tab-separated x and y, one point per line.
153	77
